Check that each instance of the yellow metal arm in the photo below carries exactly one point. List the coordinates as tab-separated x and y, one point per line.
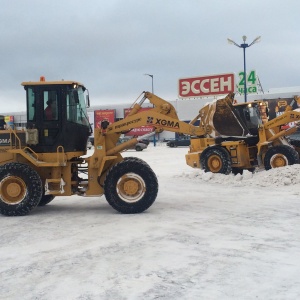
286	117
161	117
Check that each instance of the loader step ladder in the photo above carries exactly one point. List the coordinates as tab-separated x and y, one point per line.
32	156
54	186
233	155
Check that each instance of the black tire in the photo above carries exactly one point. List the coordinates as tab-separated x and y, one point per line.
236	171
295	143
216	160
46	199
21	189
134	174
172	145
138	148
280	156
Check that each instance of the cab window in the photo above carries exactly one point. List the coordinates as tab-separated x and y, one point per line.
31	105
76	109
50	105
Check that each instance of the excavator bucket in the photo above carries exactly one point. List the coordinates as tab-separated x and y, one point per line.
223	118
226	120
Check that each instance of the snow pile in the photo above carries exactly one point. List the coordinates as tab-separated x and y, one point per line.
285	176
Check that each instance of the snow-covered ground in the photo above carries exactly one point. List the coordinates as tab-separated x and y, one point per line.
206	237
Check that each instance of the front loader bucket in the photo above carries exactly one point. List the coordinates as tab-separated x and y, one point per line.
226	120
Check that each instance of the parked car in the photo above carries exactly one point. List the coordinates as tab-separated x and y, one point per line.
167	140
183	141
144	141
138	146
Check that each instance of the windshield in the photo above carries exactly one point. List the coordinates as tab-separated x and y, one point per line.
76	108
254	117
250	116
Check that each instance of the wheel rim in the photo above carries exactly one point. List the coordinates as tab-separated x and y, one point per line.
13	190
214	163
278	160
131	187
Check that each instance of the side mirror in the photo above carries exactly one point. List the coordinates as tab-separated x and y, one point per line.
87	102
267	112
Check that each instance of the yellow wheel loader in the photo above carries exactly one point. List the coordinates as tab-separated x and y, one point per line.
238	139
48	158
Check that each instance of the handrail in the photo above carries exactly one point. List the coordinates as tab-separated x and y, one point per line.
18	141
32	152
62	152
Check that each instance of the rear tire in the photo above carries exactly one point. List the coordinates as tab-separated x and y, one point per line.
20	189
280	156
216	160
131	186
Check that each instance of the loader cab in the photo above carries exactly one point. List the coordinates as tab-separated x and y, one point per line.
250	115
57	109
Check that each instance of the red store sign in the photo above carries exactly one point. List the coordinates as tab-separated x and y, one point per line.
139	130
104	114
204	86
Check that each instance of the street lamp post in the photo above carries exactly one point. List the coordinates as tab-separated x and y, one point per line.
152	81
150	75
244	46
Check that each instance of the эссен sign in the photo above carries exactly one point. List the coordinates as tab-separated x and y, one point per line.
203	86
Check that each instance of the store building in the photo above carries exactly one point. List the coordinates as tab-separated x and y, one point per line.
186	108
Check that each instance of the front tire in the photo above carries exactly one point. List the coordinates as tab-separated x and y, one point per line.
131	186
20	189
216	160
280	156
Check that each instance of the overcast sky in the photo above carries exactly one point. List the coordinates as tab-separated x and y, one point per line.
109	45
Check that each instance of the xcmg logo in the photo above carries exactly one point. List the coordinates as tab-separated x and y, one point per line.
4	141
163	123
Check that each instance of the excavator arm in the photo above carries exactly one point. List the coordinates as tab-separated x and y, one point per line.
161	117
286	117
271	131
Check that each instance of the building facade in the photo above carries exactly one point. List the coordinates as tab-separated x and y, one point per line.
186	109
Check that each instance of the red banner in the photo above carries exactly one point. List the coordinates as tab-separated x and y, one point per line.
139	130
100	115
204	86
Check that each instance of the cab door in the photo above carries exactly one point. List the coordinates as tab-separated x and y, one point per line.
43	102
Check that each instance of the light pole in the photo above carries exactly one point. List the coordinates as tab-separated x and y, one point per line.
152	81
244	46
150	75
